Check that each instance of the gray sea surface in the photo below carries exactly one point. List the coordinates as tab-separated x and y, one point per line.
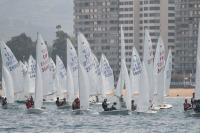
55	120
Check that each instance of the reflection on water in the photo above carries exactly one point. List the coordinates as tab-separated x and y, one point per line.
54	120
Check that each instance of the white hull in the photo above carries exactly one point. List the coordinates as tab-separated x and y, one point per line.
96	103
155	108
49	102
35	111
149	112
115	112
80	111
165	106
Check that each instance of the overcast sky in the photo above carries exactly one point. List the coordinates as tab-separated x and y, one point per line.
32	16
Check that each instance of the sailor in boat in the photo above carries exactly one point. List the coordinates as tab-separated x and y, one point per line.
133	105
1	99
29	103
4	102
113	107
193	98
97	99
64	102
122	102
58	101
187	106
105	105
196	105
76	104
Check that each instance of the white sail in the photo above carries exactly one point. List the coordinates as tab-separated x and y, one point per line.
86	60
197	87
84	88
120	83
52	79
127	86
167	73
143	100
70	86
159	64
72	63
42	64
135	71
135	74
148	61
107	76
22	80
124	79
61	77
31	74
97	75
8	87
12	65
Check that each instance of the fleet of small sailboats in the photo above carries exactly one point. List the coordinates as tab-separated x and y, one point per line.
146	82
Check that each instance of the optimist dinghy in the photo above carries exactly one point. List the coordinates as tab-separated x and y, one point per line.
42	61
115	112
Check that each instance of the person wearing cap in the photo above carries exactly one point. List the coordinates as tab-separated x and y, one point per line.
186	105
114	106
105	105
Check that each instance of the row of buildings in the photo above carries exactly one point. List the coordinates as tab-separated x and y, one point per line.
176	21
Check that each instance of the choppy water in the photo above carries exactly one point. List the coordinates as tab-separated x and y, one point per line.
58	121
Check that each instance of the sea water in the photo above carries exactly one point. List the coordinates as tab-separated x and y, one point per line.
62	120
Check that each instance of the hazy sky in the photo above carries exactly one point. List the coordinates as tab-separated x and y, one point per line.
32	16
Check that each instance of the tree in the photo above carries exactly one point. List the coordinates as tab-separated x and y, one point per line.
59	45
22	46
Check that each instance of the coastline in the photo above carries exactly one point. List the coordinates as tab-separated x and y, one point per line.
173	92
180	92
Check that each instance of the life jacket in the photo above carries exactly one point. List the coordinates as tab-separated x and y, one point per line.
28	105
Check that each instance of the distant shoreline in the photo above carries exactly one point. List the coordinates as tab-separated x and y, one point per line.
173	92
180	92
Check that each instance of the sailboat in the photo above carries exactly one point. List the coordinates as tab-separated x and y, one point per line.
61	78
42	65
135	74
30	76
95	99
159	66
8	87
51	96
123	81
21	96
167	79
84	57
148	60
143	99
9	72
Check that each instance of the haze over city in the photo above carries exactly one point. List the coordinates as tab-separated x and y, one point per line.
32	16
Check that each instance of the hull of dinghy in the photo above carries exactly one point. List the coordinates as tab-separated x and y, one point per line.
80	111
166	106
64	107
115	112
